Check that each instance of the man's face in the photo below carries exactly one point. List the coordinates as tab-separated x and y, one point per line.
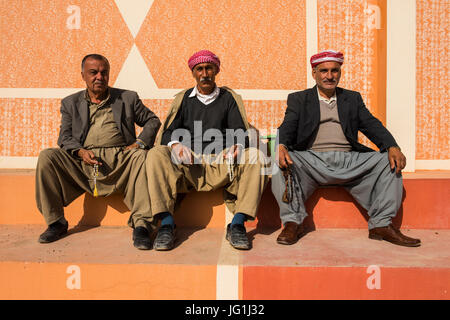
327	75
96	75
205	75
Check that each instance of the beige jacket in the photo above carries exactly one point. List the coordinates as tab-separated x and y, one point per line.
229	198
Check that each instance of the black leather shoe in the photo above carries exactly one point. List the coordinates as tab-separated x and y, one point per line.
54	232
237	236
165	238
141	238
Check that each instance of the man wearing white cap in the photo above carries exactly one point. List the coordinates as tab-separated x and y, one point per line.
318	146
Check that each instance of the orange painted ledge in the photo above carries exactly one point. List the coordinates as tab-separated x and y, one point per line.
101	263
25	280
346	264
18	206
343	283
425	205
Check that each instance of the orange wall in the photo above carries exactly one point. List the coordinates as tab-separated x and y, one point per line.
262	45
433	89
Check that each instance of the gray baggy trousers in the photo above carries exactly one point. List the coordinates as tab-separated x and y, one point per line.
365	175
60	179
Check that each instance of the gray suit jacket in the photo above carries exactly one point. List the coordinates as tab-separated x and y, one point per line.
127	108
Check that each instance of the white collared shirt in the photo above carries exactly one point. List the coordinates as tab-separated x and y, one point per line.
205	98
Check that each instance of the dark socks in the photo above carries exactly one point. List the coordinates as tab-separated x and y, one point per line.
166	219
239	218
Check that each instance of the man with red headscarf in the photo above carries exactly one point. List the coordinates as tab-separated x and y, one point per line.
204	145
318	146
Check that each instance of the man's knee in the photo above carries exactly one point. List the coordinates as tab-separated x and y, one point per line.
384	164
138	156
47	156
158	150
158	154
384	158
48	153
253	156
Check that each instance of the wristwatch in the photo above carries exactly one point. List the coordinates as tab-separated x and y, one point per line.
140	144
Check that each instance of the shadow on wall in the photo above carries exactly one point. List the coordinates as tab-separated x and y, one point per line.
94	211
194	211
336	198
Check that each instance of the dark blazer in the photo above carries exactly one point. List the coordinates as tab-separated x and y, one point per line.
127	108
302	117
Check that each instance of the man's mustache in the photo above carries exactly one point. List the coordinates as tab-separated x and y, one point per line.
205	79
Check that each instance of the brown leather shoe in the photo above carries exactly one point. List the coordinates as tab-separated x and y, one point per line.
393	235
290	234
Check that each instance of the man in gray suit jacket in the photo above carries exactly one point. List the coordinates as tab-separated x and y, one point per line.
318	146
99	153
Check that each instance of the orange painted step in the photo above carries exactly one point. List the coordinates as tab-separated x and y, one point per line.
345	264
425	205
349	283
101	263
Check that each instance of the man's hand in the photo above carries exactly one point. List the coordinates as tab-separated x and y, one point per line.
88	157
235	150
397	159
131	146
181	154
284	159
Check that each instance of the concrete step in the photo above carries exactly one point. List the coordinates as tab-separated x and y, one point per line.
425	205
101	263
346	264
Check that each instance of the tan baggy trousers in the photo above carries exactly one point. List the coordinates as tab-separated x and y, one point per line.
166	178
60	179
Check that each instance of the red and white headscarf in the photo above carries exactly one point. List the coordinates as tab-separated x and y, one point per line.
327	55
204	56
